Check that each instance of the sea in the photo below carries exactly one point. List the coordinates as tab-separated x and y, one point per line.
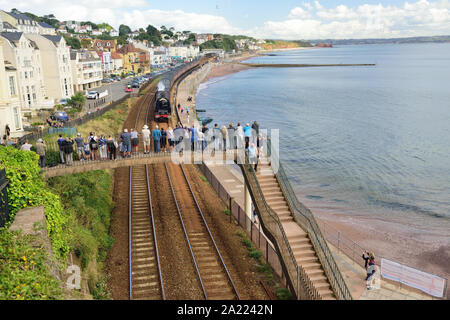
368	141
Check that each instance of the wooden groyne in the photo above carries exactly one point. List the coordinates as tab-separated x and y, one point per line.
275	65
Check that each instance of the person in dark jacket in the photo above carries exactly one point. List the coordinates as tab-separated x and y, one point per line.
61	150
255	131
67	146
112	148
231	136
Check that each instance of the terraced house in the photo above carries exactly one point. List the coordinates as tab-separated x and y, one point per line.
130	58
24	55
20	21
10	112
57	70
86	70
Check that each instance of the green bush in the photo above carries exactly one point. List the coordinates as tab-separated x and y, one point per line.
24	274
284	294
255	254
87	199
27	189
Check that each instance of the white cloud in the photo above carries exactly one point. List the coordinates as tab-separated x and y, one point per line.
420	18
299	13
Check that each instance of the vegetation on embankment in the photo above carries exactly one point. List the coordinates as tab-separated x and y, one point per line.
24	273
78	213
87	201
282	44
27	189
289	65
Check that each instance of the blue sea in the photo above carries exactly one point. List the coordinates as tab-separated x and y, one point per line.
369	141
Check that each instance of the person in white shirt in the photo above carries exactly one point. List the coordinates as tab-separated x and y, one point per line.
170	138
146	139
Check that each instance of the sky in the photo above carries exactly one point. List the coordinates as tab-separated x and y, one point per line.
264	19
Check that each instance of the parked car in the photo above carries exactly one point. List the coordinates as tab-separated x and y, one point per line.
107	80
92	95
63	102
117	78
135	85
60	116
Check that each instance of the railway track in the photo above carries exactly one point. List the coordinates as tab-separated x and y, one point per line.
215	279
144	268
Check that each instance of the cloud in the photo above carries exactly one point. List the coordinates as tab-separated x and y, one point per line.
420	18
300	13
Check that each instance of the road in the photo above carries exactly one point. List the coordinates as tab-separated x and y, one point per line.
116	91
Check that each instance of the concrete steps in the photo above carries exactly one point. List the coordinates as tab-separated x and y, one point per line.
299	241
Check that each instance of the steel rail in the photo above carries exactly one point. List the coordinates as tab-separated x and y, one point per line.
154	234
209	233
145	98
185	232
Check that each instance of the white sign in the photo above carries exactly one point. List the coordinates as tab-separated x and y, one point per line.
429	283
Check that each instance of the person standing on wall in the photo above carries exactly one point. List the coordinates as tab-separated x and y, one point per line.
68	150
112	148
7	132
61	150
156	135
146	139
40	150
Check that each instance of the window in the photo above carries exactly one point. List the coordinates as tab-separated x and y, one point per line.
12	88
16	118
26	75
31	74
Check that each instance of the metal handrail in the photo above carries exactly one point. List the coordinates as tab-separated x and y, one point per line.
306	219
304	288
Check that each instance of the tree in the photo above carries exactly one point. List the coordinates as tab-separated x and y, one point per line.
121	40
124	30
72	42
77	101
85	43
155	35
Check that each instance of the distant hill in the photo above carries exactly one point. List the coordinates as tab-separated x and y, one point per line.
282	44
434	39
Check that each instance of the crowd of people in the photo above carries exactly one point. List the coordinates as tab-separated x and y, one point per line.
196	138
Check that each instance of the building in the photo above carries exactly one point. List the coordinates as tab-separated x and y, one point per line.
114	33
130	58
20	21
10	113
144	60
56	66
62	29
185	52
216	52
86	70
45	28
96	33
104	45
202	38
116	63
7	27
105	57
25	56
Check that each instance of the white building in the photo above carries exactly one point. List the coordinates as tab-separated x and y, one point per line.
10	113
25	56
184	52
105	57
116	62
114	33
57	71
96	33
20	21
86	70
45	28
